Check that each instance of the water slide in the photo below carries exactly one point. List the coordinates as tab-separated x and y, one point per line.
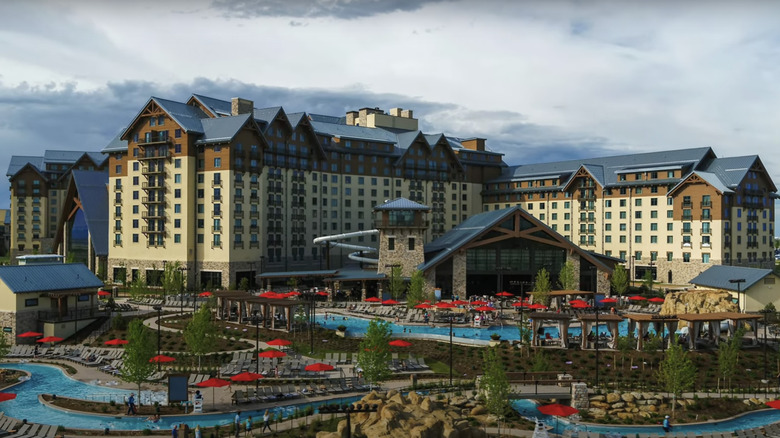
356	256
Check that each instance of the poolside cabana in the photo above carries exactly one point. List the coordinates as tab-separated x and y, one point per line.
697	322
561	320
643	321
588	321
557	295
246	305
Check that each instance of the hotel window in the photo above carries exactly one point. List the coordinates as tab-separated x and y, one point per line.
177	178
135	238
177	208
608	239
686	257
622	202
654	214
653	239
669	256
391	244
177	163
608	215
217	162
177	238
177	193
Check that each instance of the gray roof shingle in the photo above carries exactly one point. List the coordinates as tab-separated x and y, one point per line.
718	276
19	161
48	277
222	129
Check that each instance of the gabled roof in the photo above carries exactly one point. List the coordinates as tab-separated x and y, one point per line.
49	277
222	129
335	120
401	204
217	106
116	144
718	276
354	132
92	189
70	157
19	161
187	116
612	166
468	230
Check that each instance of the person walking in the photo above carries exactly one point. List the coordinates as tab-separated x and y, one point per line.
248	431
131	404
198	433
266	422
175	432
667	425
237	424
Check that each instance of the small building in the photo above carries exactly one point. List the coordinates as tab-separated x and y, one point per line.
54	299
751	288
40	259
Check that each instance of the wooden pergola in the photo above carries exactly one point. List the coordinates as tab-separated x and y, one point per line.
561	320
247	306
644	320
588	320
698	321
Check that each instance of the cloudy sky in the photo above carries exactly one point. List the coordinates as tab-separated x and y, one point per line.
541	80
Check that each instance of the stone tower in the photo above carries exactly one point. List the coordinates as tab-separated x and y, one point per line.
402	224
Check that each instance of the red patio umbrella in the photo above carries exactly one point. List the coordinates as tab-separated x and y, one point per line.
478	303
423	306
322	293
271	354
637	298
557	410
445	305
271	295
5	396
504	294
162	359
373	300
213	383
484	309
104	293
400	343
293	293
319	366
246	376
279	342
205	294
608	301
656	300
582	305
537	306
772	404
460	303
117	342
520	304
29	335
390	302
50	339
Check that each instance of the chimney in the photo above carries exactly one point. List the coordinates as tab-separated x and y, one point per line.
352	117
396	112
241	106
407	114
474	144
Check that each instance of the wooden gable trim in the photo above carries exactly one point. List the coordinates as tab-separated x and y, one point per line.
312	136
692	179
453	158
194	101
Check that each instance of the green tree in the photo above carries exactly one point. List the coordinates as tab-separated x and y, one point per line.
728	357
374	353
173	278
494	383
677	373
648	281
5	346
416	294
541	362
542	288
624	346
397	286
619	280
200	335
141	347
244	284
137	288
567	280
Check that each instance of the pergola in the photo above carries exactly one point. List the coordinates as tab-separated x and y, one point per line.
697	321
561	320
644	321
588	320
246	305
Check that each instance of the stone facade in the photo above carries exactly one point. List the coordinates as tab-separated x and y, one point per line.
228	270
603	285
401	255
574	259
579	396
697	301
459	273
430	282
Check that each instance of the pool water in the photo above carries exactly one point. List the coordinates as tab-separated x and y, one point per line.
527	408
46	379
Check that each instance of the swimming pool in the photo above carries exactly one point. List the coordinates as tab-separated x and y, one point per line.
46	379
527	408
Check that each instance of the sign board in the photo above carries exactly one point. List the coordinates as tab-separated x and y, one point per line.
177	388
8	329
437	293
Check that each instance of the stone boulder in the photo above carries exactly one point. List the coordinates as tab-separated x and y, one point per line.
697	301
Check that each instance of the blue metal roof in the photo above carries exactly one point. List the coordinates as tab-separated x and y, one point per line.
67	157
731	170
187	116
222	129
93	194
356	274
19	161
354	132
718	276
49	277
401	204
217	106
116	144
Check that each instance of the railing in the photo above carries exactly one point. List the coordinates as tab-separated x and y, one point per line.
216	213
217	229
72	314
706	204
238	213
216	183
238	245
151	155
706	230
154	137
216	244
687	204
148	215
686	231
149	170
687	217
117	188
238	184
254	214
254	244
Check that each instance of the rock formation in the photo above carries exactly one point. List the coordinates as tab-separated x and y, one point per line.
412	416
697	301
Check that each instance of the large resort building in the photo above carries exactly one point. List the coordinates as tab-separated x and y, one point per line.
230	191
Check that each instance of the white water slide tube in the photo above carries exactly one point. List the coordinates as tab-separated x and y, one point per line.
356	256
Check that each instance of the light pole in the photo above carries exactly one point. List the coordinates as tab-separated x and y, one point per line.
182	270
739	282
257	341
392	279
450	349
663	319
159	314
597	342
766	313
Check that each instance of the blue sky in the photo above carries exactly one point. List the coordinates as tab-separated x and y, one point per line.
541	80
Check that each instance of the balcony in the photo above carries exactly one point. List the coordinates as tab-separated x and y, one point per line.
118	229
216	244
148	185
216	229
706	231
36	221
254	185
117	188
254	244
687	204
687	217
686	245
160	214
686	231
155	200
238	184
70	314
706	245
254	215
216	213
154	155
216	198
154	137
216	183
706	204
238	229
147	230
238	245
153	170
117	201
238	213
155	244
254	228
117	215
752	231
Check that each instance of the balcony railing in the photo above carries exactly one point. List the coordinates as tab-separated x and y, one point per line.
216	183
154	137
686	231
238	229
71	314
687	217
217	229
153	215
238	184
117	188
254	214
238	213
216	244
216	198
216	213
706	230
148	200
687	204
254	244
147	230
154	155
706	204
153	170
238	245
